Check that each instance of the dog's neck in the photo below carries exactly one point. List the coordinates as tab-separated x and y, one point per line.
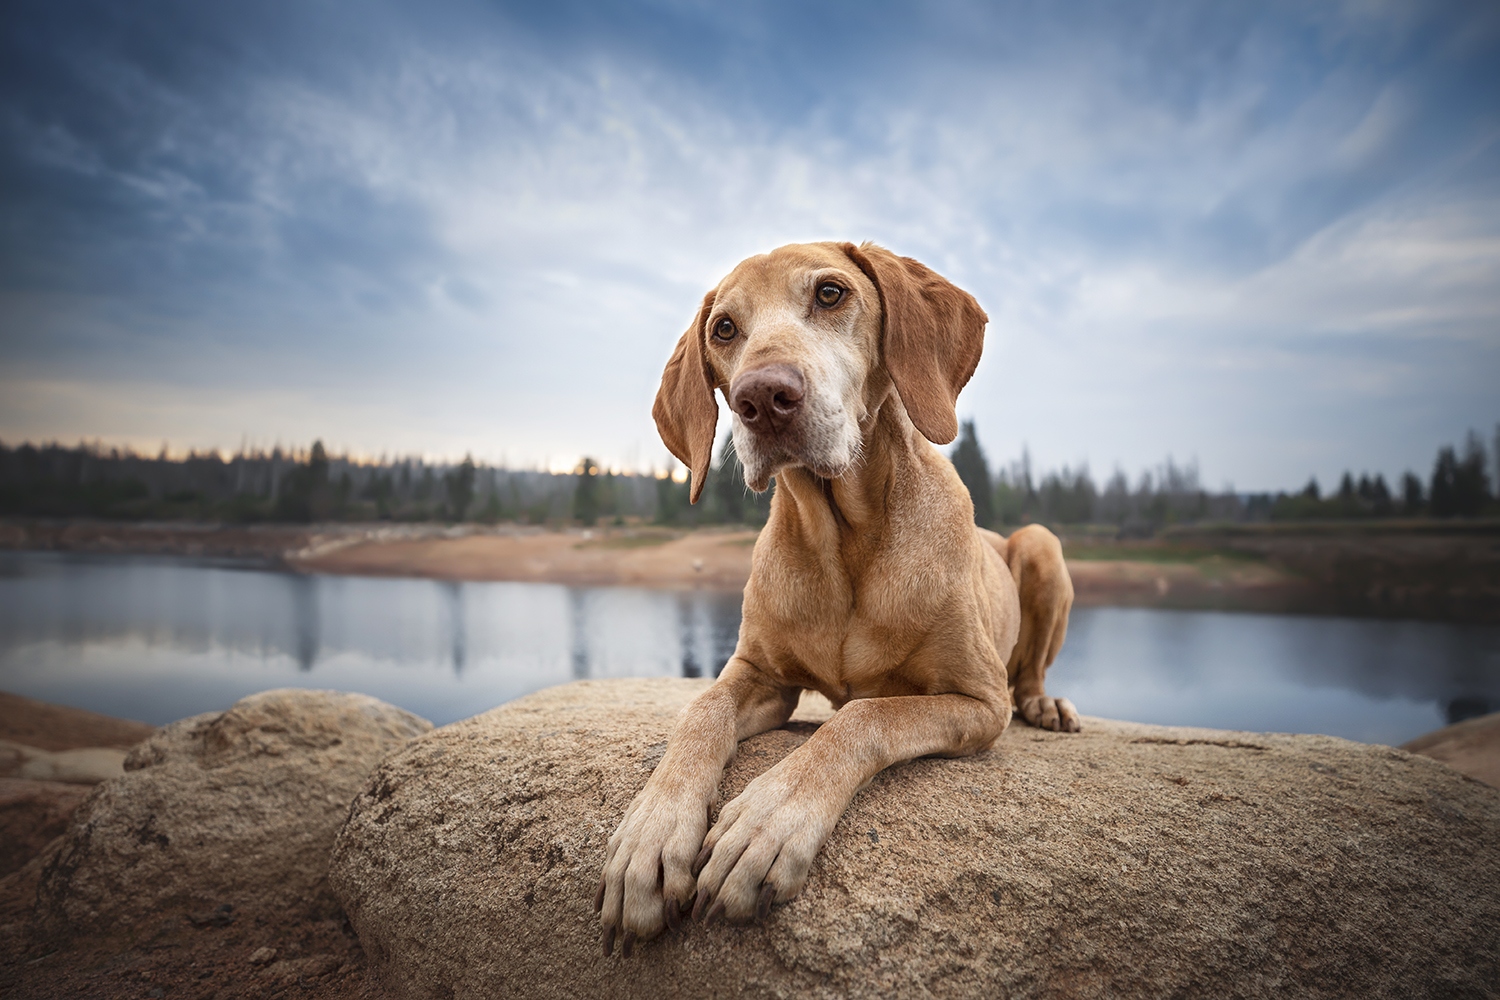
854	509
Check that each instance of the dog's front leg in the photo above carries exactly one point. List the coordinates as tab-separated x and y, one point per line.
648	879
761	848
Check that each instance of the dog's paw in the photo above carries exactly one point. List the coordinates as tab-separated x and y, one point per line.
648	879
760	850
1056	714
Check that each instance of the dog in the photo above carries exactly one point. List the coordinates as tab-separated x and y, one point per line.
870	582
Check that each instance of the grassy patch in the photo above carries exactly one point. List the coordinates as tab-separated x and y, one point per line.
1158	553
637	540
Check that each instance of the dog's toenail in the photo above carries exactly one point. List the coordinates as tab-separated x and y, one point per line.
767	896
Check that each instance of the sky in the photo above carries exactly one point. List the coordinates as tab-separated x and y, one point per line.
1265	237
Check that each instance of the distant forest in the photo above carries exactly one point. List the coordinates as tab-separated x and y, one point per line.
1459	486
52	481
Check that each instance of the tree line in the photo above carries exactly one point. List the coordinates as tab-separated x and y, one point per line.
288	485
1460	486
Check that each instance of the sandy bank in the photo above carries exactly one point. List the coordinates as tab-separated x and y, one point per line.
707	559
720	560
46	726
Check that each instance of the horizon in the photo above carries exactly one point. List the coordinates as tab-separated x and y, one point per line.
1265	239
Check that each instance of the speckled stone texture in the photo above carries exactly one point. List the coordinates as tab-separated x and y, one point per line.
228	816
1125	861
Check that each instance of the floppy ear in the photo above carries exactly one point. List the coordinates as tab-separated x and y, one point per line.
932	333
685	411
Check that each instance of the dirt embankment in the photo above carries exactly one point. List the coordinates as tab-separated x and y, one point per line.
1412	574
46	726
720	560
1433	570
709	559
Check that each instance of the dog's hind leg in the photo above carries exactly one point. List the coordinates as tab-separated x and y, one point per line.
1035	558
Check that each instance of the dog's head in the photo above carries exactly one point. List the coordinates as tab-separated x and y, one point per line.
805	342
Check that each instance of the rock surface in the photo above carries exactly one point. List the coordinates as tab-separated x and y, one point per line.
225	817
1471	746
1128	860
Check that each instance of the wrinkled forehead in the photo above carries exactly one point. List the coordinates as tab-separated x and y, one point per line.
786	276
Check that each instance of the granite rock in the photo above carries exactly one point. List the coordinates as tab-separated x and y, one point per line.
223	817
1125	861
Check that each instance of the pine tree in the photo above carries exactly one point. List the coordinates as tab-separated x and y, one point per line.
1472	486
1443	495
460	486
968	459
586	492
1411	495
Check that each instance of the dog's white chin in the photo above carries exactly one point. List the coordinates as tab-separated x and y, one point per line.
759	468
830	455
762	482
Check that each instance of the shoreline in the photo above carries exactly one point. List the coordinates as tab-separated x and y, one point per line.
1426	573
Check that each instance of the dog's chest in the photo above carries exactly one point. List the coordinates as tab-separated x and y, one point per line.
816	624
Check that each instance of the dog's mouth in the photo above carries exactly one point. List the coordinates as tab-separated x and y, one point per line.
763	458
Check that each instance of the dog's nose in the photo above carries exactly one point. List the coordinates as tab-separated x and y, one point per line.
768	399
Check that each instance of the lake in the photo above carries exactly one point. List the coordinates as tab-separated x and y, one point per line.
161	639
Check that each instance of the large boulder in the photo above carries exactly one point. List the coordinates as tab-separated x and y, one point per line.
224	817
1127	860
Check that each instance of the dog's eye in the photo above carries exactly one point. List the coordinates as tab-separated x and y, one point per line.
829	295
724	329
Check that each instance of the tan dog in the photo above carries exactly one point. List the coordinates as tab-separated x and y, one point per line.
870	582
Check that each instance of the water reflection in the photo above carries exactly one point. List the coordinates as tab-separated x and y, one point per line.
709	629
690	665
305	624
159	640
1378	681
578	620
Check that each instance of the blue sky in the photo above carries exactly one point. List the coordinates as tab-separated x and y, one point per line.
1263	235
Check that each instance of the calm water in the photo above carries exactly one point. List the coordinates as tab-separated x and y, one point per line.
158	640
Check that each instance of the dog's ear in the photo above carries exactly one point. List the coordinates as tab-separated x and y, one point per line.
685	411
932	333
